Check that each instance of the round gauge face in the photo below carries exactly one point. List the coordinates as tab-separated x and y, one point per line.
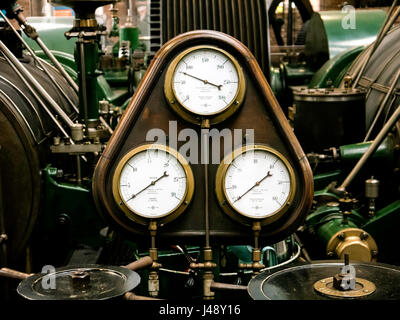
153	183
258	183
206	82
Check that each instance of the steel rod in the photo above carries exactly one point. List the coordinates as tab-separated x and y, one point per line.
41	64
382	106
219	286
57	64
104	122
389	20
6	52
31	33
83	86
372	148
49	113
205	125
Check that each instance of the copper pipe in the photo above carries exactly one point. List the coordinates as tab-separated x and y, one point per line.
10	273
132	296
219	286
142	263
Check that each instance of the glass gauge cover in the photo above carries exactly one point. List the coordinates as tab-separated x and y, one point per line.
204	82
258	183
153	182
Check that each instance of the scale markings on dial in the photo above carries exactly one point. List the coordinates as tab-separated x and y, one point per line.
258	183
161	186
204	81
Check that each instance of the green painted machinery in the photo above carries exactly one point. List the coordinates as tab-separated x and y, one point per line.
360	221
331	43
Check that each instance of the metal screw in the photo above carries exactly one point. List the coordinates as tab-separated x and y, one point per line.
364	236
341	236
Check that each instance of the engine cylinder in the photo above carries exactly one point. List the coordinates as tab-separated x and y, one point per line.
26	132
325	118
378	77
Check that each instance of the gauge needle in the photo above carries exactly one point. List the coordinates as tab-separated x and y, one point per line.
204	81
255	185
151	184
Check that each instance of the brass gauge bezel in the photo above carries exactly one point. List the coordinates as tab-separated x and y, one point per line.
190	116
169	216
226	204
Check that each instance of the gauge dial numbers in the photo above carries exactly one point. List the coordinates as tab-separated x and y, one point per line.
257	184
204	82
153	182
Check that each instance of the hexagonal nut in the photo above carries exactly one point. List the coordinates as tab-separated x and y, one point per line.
80	280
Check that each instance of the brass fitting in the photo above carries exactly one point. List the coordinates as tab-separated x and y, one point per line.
154	284
205	266
358	244
85	23
255	266
153	253
208	279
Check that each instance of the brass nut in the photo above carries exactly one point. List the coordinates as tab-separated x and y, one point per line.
341	236
364	236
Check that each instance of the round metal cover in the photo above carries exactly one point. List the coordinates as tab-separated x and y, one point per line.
297	282
362	288
102	282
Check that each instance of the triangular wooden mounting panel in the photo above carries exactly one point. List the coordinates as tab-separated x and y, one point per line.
260	111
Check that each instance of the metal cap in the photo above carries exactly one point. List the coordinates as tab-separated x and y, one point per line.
89	282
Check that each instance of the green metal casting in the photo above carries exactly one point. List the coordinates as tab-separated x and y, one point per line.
353	152
51	31
66	60
384	228
321	180
116	95
333	71
329	229
343	34
75	204
130	34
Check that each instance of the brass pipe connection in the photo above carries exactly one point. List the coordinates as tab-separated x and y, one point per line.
154	280
203	266
208	277
256	266
85	23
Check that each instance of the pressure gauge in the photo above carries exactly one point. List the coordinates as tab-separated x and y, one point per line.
255	183
153	182
204	82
